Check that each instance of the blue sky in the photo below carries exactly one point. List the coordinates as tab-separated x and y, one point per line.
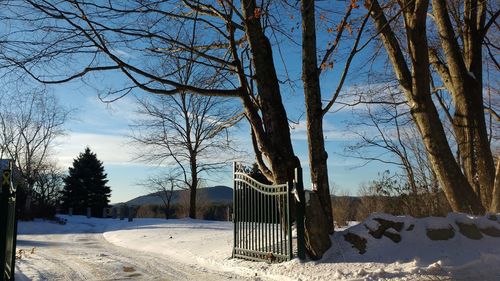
105	129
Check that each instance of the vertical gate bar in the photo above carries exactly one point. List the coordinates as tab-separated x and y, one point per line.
255	211
289	194
235	224
235	213
241	189
242	210
247	216
254	216
270	220
262	224
245	189
242	214
278	223
281	218
277	226
287	223
272	225
245	202
268	244
269	209
245	219
284	223
285	227
252	210
259	243
266	234
249	200
238	216
263	221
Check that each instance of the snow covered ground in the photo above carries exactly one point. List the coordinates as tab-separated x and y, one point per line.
185	249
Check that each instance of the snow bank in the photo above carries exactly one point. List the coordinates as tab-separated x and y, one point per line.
208	244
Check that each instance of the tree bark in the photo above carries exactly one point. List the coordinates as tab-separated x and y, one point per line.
193	188
314	113
495	202
273	135
464	70
416	87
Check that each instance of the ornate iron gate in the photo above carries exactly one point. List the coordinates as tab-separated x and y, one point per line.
8	222
262	225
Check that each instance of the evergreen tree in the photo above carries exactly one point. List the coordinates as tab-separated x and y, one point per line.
85	186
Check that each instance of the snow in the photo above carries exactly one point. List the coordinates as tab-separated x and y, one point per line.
207	245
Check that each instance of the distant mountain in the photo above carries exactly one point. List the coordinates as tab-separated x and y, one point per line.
213	195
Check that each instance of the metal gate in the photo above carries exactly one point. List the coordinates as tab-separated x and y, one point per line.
8	222
262	225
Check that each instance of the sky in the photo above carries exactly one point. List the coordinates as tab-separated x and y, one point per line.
104	128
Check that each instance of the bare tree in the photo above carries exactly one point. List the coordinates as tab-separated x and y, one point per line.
384	124
321	216
48	185
457	60
163	186
29	124
188	132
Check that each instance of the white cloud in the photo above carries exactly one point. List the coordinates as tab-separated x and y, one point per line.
330	132
110	149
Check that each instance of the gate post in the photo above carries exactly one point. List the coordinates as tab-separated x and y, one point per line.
301	207
8	222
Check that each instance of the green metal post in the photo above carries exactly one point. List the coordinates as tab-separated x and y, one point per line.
301	205
289	223
8	222
4	204
235	212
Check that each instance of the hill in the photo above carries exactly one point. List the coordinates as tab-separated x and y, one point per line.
213	195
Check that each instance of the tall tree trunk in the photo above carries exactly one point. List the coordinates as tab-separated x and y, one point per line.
193	188
416	87
495	202
462	76
314	112
316	144
274	137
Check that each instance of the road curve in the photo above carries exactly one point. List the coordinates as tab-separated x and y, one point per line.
88	256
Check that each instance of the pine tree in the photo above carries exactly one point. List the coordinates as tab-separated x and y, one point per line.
85	186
